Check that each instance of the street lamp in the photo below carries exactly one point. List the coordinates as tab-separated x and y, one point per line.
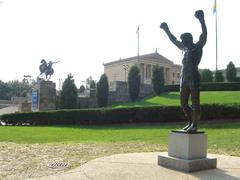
27	78
60	84
125	67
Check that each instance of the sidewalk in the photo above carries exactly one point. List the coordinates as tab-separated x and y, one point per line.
9	109
143	166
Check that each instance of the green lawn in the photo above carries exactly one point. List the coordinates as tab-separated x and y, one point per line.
223	138
173	99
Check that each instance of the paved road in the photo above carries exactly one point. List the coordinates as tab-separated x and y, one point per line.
9	109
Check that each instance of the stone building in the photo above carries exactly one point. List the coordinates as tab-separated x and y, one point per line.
118	70
117	73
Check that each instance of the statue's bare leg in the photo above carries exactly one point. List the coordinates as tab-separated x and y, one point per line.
184	96
195	96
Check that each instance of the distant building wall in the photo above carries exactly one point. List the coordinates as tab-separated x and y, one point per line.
118	70
18	100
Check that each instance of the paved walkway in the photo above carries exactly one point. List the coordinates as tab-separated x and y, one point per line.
9	109
6	110
143	166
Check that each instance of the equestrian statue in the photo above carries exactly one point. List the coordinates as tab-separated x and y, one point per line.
46	68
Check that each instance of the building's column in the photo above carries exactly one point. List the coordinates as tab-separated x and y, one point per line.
164	74
148	74
145	73
150	67
167	76
142	72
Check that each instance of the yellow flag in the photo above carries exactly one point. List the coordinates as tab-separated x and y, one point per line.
215	6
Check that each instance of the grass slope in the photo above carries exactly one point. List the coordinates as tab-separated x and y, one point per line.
173	99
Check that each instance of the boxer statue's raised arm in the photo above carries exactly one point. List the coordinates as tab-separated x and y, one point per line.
172	38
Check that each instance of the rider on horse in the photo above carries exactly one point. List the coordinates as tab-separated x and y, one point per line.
46	68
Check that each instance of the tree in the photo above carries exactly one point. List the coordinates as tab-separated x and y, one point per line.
206	76
15	88
81	89
68	96
134	82
218	76
231	72
102	91
4	91
18	88
92	85
158	80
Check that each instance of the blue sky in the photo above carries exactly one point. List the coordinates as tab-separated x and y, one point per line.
83	35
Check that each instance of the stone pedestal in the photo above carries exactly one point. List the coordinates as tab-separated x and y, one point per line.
187	146
187	152
44	97
47	96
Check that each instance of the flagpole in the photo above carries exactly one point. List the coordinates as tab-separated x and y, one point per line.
216	42
216	26
138	46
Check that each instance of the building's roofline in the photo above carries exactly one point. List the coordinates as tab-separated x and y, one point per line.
145	56
177	65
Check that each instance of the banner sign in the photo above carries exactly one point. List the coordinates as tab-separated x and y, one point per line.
35	100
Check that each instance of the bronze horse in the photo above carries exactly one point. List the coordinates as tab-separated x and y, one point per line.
46	68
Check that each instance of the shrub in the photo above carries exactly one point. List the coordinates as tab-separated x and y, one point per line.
68	95
172	88
218	76
158	80
237	79
134	82
102	91
155	114
206	75
233	86
231	72
92	85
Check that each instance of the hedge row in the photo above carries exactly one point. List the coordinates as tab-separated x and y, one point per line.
220	86
118	116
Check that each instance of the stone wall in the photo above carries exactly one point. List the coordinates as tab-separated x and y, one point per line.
5	103
25	107
145	90
87	102
18	100
118	93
